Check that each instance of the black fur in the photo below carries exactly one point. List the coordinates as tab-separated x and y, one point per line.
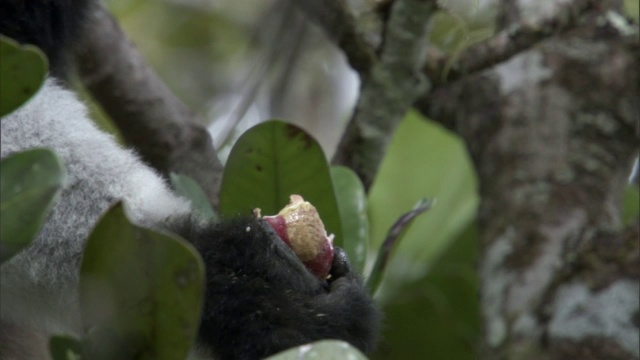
52	25
260	299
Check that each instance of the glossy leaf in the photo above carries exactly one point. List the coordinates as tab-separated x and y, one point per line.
30	182
189	188
141	291
22	70
352	202
325	350
424	161
271	161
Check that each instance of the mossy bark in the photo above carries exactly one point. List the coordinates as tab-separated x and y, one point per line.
553	132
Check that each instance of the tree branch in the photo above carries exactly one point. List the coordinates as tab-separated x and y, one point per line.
157	124
442	104
390	89
508	14
511	40
340	26
551	132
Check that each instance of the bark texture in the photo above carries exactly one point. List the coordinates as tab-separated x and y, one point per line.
389	90
168	135
553	132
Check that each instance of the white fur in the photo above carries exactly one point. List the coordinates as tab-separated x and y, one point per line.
38	286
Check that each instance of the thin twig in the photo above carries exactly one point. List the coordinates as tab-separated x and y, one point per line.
441	104
510	41
395	232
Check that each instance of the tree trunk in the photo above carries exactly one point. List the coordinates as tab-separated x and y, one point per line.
553	132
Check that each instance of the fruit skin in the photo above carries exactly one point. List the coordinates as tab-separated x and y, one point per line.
300	227
279	225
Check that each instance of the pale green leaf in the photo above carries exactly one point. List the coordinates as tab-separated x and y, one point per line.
352	202
321	350
22	70
141	291
30	182
189	188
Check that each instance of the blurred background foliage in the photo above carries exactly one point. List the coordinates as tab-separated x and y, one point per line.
430	290
237	63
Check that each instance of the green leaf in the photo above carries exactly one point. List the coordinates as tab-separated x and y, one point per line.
631	204
437	317
424	161
631	9
189	188
425	319
22	70
30	182
325	350
271	161
141	291
352	203
65	348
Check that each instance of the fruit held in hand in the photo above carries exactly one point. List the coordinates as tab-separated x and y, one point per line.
299	225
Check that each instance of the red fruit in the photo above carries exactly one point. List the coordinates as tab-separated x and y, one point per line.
279	225
299	225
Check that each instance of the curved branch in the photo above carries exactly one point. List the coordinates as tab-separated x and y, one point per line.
335	19
511	40
158	125
442	104
394	83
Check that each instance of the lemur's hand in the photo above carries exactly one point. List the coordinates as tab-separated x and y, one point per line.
261	299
